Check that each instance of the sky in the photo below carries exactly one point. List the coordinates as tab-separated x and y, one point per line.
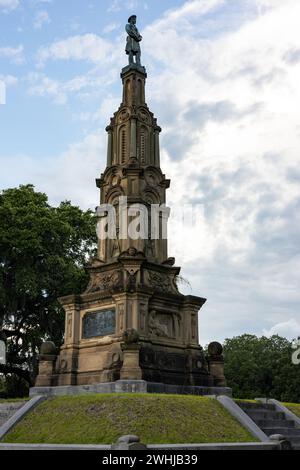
223	82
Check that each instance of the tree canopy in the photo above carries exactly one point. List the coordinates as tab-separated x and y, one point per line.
43	254
261	367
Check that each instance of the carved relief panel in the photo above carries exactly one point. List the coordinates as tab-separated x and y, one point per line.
164	324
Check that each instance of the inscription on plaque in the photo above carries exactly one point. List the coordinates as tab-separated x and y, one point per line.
100	323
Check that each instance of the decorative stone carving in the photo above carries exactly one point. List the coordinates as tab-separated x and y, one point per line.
157	325
121	317
160	281
144	116
130	336
132	253
104	281
124	115
131	280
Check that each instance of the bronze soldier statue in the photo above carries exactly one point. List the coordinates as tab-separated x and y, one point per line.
133	41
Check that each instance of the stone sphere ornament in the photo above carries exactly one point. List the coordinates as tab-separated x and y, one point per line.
215	349
48	348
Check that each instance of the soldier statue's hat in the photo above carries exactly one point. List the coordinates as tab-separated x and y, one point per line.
130	17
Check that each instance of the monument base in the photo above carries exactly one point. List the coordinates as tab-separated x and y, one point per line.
129	386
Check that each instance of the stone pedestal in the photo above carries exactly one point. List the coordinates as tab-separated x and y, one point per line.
131	362
47	360
216	364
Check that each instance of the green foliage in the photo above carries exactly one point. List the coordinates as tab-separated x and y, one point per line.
43	254
103	418
261	367
12	386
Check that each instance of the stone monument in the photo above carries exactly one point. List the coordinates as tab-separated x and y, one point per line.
132	323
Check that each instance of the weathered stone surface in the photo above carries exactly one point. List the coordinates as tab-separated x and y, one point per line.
133	282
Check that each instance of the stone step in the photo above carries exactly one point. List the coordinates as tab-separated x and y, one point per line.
10	406
275	423
263	414
7	410
256	406
287	432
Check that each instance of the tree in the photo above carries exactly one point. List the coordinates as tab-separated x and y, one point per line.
261	367
43	254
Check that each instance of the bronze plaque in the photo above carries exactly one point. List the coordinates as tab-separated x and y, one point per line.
100	323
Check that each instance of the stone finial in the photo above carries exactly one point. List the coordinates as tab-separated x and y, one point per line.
48	348
283	442
215	349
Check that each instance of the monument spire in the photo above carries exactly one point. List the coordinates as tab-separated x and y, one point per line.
133	163
133	133
132	322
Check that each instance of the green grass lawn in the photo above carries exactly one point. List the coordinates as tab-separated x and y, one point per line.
103	418
294	407
238	400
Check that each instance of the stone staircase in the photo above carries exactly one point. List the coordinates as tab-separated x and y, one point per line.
271	421
7	410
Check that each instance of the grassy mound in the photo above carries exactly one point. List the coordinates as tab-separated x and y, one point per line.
294	407
103	418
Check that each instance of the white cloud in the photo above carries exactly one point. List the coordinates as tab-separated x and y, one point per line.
230	133
41	18
9	5
89	47
41	85
288	329
117	5
60	91
9	80
110	27
82	161
14	54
